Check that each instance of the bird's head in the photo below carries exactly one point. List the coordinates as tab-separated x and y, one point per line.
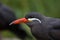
34	15
30	18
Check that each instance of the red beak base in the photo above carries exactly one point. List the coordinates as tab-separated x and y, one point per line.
22	20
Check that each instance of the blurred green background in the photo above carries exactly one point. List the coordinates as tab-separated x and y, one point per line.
22	7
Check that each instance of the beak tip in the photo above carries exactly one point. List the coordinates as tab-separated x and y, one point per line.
10	23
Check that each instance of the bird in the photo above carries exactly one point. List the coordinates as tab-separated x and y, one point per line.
7	16
42	27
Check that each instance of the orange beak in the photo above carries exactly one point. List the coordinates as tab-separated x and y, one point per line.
22	20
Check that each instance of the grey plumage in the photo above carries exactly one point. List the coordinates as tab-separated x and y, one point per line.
48	29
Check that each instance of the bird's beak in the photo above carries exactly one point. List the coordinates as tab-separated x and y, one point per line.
18	21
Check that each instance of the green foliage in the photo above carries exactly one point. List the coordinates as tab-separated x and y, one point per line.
28	31
47	7
7	34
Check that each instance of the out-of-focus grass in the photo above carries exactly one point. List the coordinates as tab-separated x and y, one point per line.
28	31
8	34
